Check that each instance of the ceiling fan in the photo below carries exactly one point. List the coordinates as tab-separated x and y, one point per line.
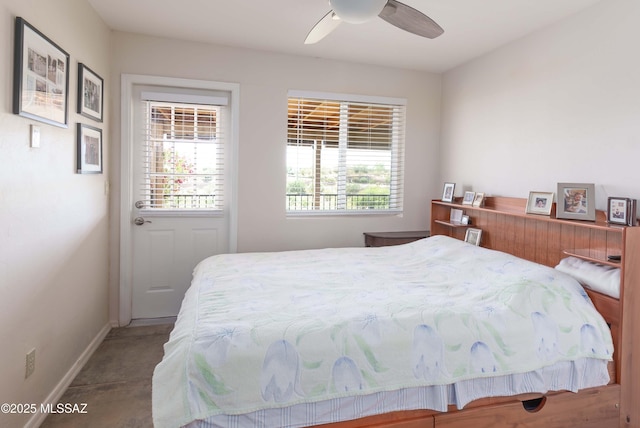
359	11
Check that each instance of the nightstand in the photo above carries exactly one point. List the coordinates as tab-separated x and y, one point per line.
383	239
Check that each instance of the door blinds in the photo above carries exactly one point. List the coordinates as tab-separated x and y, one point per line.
183	151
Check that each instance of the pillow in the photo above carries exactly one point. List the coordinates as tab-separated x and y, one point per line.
602	278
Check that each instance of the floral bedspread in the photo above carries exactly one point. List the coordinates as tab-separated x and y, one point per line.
260	330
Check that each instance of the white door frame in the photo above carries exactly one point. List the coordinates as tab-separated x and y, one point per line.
126	168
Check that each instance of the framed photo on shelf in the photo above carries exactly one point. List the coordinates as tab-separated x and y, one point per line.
465	219
447	192
89	151
540	203
473	236
455	216
40	77
621	211
468	198
576	201
90	93
478	200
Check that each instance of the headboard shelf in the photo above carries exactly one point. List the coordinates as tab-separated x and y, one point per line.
546	240
518	206
596	255
449	224
507	227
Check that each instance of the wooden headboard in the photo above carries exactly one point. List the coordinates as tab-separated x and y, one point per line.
546	240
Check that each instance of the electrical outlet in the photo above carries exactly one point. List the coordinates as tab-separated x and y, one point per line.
30	363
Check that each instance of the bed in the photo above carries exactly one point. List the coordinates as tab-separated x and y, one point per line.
421	334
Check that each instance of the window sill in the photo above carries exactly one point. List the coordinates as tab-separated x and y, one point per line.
343	213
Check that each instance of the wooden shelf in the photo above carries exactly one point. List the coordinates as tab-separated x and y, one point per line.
449	224
544	239
594	255
516	207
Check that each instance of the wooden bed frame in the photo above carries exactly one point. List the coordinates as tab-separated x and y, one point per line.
545	240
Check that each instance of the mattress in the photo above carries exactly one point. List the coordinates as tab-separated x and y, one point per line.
296	338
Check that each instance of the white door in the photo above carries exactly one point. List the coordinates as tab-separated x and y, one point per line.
165	252
178	205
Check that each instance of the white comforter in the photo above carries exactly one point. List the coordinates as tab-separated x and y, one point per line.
262	330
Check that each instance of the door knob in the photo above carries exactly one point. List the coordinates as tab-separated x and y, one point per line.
139	204
139	221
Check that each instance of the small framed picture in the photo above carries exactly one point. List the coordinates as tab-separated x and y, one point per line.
89	151
621	211
576	201
540	203
468	198
473	236
478	200
90	93
465	220
447	192
455	217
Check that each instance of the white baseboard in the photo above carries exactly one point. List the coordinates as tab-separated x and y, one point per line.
152	321
38	418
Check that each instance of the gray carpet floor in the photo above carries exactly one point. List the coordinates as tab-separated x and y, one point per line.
115	383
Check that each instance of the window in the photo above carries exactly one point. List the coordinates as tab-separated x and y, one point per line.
182	155
344	155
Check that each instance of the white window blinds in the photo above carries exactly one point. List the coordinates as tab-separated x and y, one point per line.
183	152
344	156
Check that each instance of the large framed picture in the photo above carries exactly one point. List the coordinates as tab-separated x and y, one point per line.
40	77
621	211
540	203
447	192
576	201
89	151
90	93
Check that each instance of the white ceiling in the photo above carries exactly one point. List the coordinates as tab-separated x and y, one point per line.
471	27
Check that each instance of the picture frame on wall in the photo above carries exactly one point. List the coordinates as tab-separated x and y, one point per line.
41	77
90	93
621	211
447	192
89	149
539	203
576	201
473	236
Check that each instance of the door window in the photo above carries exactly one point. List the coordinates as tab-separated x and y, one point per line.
183	157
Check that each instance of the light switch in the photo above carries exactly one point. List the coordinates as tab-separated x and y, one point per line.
35	136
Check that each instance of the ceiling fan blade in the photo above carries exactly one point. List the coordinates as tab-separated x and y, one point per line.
326	25
410	19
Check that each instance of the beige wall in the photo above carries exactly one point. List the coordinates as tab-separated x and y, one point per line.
560	105
264	79
53	222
